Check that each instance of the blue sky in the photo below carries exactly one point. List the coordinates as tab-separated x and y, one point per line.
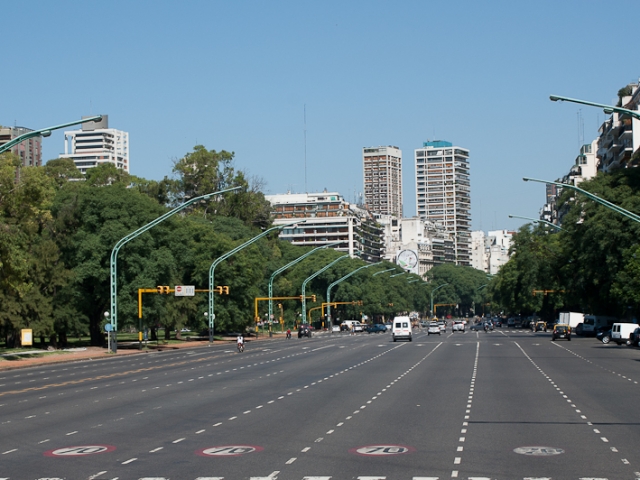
238	75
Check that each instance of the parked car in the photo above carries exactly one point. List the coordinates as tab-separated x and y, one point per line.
304	330
458	326
497	322
511	323
635	337
433	329
376	328
604	336
388	325
621	332
561	331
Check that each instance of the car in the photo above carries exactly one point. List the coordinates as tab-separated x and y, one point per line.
539	326
635	337
424	324
335	328
376	328
497	322
434	328
477	327
604	336
388	325
305	330
443	327
561	331
511	323
401	328
458	326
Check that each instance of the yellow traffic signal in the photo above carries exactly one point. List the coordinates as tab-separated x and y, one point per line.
163	289
225	289
313	297
218	290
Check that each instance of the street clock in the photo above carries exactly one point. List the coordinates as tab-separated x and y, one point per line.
407	259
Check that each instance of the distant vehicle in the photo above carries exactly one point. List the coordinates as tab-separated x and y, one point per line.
433	329
592	323
388	325
539	326
477	327
376	328
604	336
561	331
401	328
352	325
497	322
335	328
304	330
424	324
622	332
635	337
443	327
458	326
511	323
573	319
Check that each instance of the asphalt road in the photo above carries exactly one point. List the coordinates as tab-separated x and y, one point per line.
498	405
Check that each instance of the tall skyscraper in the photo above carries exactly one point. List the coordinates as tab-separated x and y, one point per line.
443	192
383	180
95	144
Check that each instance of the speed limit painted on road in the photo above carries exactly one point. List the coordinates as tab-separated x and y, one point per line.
538	451
79	451
382	450
228	450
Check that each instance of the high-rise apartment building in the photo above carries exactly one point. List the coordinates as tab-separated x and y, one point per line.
29	150
95	144
383	180
443	192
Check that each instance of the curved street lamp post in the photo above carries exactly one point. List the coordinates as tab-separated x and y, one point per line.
538	220
114	258
211	314
432	292
304	284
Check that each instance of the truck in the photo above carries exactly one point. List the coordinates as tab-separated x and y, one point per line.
573	319
592	323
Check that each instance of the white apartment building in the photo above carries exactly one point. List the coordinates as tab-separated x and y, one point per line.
443	192
95	144
490	252
383	180
328	218
431	245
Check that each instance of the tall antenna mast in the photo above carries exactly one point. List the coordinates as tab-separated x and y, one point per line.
305	149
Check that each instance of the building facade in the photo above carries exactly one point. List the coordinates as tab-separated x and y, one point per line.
96	144
443	193
328	218
29	151
382	167
490	252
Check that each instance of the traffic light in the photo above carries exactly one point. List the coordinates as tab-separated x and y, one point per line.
218	290
225	289
163	289
313	298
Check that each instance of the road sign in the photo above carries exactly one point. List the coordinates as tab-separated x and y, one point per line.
79	451
108	327
228	450
382	450
185	290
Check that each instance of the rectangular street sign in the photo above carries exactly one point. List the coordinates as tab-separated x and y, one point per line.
185	290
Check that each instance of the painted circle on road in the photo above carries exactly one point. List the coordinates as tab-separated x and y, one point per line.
382	450
79	451
538	451
228	450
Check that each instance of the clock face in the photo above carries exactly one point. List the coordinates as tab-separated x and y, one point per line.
407	259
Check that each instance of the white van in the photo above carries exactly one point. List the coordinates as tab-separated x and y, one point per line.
401	328
352	326
621	332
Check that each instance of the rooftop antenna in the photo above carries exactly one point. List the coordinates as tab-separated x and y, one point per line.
305	149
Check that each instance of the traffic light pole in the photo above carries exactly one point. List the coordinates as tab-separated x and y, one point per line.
114	259
304	284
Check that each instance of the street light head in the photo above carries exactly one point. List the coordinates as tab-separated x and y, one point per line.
526	179
608	111
46	133
554	98
106	314
206	314
510	216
